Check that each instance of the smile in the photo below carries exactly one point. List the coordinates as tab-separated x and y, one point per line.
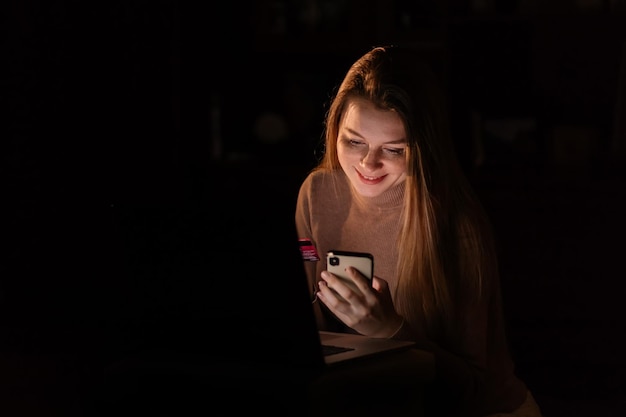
371	180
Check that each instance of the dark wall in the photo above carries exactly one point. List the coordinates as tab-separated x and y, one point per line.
116	114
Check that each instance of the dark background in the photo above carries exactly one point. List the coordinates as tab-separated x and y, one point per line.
119	117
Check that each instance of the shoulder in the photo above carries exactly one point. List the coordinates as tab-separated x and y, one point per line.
323	192
322	181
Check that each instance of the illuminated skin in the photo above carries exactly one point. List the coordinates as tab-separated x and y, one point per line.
371	148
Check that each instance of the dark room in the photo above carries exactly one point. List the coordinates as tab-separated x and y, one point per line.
154	154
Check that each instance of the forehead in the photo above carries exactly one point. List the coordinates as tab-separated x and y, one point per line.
363	119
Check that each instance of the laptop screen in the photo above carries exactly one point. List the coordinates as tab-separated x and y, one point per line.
221	273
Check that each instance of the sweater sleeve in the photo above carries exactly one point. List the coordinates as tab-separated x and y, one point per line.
476	376
304	230
459	379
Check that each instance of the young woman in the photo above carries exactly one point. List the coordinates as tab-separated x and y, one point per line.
389	183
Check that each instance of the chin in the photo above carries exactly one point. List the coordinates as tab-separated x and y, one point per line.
370	191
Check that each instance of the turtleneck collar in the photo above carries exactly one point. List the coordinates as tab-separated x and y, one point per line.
389	200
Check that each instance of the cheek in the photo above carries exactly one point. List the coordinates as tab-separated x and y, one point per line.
344	161
399	166
345	154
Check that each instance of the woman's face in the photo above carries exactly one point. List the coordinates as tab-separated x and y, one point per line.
371	147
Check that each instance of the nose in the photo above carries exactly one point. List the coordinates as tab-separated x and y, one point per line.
371	159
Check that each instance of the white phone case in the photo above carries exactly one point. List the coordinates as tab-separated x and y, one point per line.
337	261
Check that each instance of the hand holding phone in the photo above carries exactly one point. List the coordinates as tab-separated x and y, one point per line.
337	261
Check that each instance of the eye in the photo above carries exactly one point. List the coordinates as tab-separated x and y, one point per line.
355	143
394	151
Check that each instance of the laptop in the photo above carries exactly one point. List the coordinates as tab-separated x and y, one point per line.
324	347
181	300
342	347
227	279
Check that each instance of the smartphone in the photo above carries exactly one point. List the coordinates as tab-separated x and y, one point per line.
337	261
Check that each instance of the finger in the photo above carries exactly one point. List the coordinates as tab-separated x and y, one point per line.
344	288
359	279
379	284
362	283
331	298
328	293
335	303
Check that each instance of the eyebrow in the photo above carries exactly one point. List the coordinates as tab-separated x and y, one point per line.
393	142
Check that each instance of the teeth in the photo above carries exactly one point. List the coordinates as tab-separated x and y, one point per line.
373	178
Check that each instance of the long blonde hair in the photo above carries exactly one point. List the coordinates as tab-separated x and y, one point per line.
445	246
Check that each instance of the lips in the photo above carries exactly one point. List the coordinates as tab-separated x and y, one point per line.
370	180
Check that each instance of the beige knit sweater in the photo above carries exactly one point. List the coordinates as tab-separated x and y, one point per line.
476	378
